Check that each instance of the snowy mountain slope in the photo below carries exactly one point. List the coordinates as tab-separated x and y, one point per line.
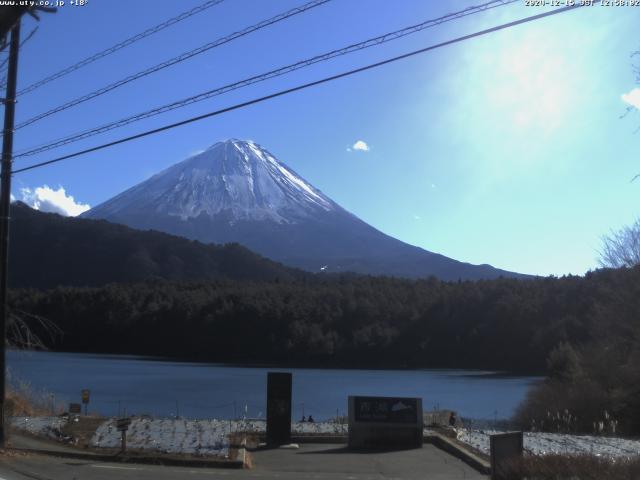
236	191
240	179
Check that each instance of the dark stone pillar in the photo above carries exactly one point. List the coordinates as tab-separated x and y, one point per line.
278	408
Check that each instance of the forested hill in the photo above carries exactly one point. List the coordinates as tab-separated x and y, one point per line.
48	250
504	324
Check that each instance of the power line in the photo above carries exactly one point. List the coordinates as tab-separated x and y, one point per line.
303	86
264	76
121	45
172	61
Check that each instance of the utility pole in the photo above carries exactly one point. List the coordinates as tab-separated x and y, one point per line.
5	207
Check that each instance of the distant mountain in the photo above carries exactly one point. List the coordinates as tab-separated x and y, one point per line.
236	191
48	250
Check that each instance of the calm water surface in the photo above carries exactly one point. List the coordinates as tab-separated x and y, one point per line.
197	390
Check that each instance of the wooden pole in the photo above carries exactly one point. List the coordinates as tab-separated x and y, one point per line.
5	210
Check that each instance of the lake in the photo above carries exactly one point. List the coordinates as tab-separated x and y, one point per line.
199	390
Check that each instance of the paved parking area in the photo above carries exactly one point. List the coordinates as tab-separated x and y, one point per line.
319	461
309	462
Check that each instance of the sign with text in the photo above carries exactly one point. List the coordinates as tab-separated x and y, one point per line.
387	422
85	395
75	408
386	409
279	408
504	449
122	424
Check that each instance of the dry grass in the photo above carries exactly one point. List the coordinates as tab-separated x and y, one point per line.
19	405
573	467
23	400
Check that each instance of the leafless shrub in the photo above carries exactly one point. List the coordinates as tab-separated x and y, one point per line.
621	248
574	467
579	407
21	329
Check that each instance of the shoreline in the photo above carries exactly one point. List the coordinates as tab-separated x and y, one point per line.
478	371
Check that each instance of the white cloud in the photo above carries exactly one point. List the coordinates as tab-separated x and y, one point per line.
13	199
417	217
361	145
47	199
632	98
433	185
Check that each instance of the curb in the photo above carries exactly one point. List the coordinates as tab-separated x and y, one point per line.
241	462
474	461
319	439
314	438
145	460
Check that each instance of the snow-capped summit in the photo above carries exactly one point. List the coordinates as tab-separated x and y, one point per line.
238	178
237	191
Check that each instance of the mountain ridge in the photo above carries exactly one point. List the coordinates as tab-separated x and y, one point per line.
48	250
237	191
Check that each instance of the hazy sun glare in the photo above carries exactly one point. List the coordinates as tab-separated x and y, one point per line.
531	84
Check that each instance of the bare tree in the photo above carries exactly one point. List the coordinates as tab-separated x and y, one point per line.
621	248
22	327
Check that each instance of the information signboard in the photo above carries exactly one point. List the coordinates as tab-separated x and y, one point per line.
75	408
386	409
385	422
122	424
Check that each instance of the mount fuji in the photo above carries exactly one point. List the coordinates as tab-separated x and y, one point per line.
236	191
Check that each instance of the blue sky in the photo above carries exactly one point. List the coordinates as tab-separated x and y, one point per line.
507	149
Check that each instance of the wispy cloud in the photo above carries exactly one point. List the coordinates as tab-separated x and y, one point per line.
360	145
632	98
46	199
417	217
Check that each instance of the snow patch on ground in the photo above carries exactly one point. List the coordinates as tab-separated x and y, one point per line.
49	427
211	437
196	437
541	443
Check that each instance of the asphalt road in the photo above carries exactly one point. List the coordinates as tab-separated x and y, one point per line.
310	462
